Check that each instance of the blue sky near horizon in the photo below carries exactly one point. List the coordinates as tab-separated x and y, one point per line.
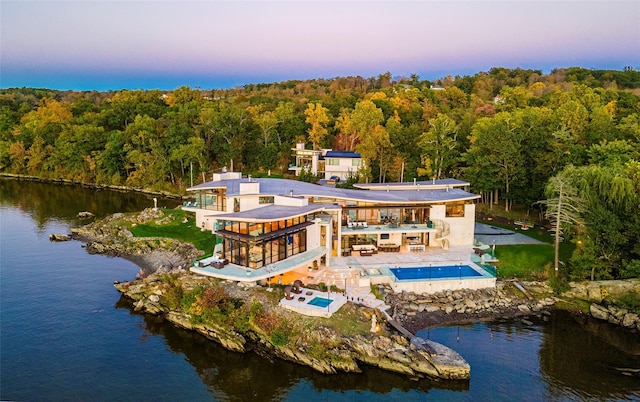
125	44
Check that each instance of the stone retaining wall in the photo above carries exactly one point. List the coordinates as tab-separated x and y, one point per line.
492	302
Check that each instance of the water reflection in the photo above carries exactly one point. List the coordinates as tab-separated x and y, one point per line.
580	356
45	202
577	358
234	376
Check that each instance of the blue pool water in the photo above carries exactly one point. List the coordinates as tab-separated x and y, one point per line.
320	301
449	271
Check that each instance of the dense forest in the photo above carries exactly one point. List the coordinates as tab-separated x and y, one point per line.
514	134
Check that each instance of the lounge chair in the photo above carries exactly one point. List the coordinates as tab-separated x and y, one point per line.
287	292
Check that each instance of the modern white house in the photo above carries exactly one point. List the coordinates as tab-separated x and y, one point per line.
267	227
326	162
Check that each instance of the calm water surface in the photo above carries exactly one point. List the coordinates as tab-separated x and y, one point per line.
65	334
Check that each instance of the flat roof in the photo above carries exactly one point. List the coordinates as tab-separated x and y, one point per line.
342	154
424	185
285	187
270	213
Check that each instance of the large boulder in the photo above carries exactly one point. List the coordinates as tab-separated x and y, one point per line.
599	312
630	320
59	237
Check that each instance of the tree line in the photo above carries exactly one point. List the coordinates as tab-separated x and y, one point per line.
506	131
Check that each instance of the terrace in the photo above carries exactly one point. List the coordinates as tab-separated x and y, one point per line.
243	274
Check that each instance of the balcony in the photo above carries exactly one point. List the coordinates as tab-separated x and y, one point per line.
392	227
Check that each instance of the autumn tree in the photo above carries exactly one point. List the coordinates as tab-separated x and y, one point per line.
375	147
318	119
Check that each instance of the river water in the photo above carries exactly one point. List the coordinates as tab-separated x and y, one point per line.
65	334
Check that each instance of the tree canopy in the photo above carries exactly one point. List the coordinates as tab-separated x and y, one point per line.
506	131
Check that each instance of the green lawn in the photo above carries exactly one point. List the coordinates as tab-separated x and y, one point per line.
529	261
177	228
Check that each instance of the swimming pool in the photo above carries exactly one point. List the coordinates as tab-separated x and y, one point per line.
320	301
441	272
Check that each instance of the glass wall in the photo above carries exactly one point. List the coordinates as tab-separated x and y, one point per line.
385	215
255	245
260	253
212	199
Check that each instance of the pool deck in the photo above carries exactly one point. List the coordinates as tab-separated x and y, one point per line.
436	256
303	306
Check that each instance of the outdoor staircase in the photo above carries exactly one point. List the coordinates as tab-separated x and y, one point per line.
442	233
351	278
338	277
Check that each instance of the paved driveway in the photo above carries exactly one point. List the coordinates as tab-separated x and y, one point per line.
488	234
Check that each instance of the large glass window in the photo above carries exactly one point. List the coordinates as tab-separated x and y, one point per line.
332	161
455	209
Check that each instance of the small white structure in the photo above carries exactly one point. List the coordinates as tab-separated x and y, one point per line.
326	162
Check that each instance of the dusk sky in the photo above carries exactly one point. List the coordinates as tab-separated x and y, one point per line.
101	45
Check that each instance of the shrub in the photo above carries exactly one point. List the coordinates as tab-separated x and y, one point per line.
173	297
279	337
192	298
630	301
170	279
268	322
241	321
215	296
630	269
256	309
558	283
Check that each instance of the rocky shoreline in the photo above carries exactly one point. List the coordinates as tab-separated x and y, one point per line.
505	301
152	255
324	348
163	258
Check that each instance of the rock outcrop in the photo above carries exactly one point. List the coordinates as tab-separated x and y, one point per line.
108	236
603	295
418	311
59	237
323	348
597	291
615	315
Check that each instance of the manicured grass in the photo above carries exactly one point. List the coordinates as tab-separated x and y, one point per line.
523	260
529	261
175	227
